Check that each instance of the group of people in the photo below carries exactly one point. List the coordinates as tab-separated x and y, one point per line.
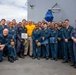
48	40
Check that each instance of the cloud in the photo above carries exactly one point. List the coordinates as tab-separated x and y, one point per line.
10	9
18	3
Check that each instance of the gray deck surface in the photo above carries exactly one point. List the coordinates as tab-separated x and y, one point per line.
28	66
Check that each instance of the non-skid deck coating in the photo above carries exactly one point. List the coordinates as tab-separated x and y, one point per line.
28	66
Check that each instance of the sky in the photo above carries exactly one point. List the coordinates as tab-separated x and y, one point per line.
13	9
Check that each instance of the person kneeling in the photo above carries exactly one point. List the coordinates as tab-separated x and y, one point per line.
5	46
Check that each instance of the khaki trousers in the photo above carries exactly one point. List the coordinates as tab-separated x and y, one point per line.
28	46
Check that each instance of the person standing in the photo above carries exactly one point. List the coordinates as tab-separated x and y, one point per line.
45	41
21	41
68	43
73	36
60	42
54	42
13	32
36	36
2	26
30	27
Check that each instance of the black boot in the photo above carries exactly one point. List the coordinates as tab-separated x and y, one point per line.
52	58
33	57
72	64
1	60
47	58
22	56
16	57
75	66
56	59
64	61
10	59
38	58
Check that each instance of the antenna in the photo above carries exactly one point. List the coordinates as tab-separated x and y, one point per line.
55	9
32	6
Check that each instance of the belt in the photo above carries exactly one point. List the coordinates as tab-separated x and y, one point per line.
29	37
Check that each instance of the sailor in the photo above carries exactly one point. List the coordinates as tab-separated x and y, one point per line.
5	39
36	36
54	42
13	32
20	43
45	40
60	42
2	26
68	43
73	36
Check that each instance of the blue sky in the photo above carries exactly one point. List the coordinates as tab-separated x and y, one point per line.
10	9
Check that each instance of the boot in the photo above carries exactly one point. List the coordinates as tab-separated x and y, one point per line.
10	59
22	56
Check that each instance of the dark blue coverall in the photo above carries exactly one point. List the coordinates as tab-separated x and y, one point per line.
36	49
68	46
